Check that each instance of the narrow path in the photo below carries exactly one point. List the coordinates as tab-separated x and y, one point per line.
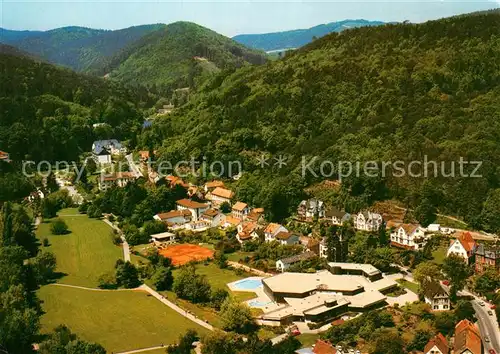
125	246
249	269
90	289
176	308
142	350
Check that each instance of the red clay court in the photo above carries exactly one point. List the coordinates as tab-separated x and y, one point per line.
185	253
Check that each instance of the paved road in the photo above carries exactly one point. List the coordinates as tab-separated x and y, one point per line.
176	308
73	193
132	165
125	246
488	326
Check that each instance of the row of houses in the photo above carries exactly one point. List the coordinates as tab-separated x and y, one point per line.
482	255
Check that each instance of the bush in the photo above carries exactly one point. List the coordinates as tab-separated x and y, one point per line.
59	227
45	242
82	209
111	218
107	281
115	237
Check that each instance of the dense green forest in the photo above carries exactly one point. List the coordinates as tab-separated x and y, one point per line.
47	112
394	92
75	47
166	57
299	37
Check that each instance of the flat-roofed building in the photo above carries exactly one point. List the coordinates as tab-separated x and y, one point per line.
163	237
366	270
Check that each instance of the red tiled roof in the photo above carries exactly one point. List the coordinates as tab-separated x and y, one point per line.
283	235
440	342
323	347
272	227
191	204
396	244
174	214
467	241
214	184
409	228
239	206
223	192
211	213
233	221
467	337
174	180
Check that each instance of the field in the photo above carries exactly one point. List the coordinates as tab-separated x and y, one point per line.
85	253
408	285
185	253
439	254
118	320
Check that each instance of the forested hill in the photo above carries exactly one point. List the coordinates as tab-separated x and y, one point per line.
47	112
394	92
177	55
75	47
300	37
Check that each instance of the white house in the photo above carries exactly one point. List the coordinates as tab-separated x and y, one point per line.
164	237
272	230
213	218
323	248
434	228
196	208
220	195
464	246
408	236
119	179
103	149
240	210
179	217
310	208
210	186
367	221
437	345
287	238
337	217
436	295
285	263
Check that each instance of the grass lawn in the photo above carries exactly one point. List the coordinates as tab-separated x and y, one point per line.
409	285
109	319
236	256
218	278
85	253
439	254
307	339
448	222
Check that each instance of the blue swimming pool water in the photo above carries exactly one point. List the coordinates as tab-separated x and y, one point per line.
248	284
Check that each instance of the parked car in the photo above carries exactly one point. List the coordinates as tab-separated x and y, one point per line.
492	351
487	339
294	331
446	282
490	313
493	307
481	303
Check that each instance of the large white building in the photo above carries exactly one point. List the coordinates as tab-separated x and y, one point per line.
196	208
464	246
408	236
367	221
436	295
120	179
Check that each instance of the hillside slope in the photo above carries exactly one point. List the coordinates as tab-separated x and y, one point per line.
300	37
47	112
75	47
395	92
169	56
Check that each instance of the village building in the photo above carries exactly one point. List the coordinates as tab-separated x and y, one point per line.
119	179
240	210
257	215
487	256
213	218
311	208
320	297
231	222
323	347
196	208
272	230
434	228
173	181
285	263
103	149
163	238
247	230
408	236
311	244
220	195
337	217
367	221
436	295
179	217
210	186
4	156
323	248
437	345
287	238
464	246
166	109
366	270
467	339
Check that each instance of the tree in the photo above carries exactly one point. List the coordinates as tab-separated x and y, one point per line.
383	239
425	212
464	310
288	345
221	259
191	286
94	212
225	207
152	227
487	281
236	317
426	270
387	341
420	339
490	216
220	343
107	281
51	183
445	322
63	341
127	275
457	271
185	344
59	227
218	297
44	265
162	278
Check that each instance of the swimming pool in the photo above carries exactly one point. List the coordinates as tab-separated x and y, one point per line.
256	303
248	284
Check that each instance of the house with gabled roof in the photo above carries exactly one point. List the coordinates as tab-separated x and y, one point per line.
256	214
464	246
179	217
247	230
310	208
240	210
467	338
285	263
103	149
337	217
436	295
367	221
231	222
210	186
119	179
487	256
213	217
220	195
272	230
287	238
437	345
408	236
196	208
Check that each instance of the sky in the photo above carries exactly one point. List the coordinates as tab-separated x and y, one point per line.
226	17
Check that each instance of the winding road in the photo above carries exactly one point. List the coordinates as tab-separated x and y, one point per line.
488	326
